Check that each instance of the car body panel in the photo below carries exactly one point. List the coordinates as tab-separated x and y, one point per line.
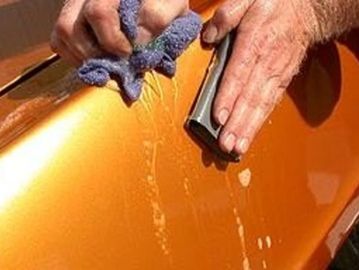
89	182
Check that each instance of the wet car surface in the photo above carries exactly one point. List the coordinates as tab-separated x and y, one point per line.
88	182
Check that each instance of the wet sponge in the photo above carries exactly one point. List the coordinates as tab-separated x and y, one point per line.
159	55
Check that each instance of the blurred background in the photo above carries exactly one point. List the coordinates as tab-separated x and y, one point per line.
25	27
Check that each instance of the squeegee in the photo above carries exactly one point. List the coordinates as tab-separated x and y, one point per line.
200	122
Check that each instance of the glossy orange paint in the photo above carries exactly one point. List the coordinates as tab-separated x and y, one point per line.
15	66
97	184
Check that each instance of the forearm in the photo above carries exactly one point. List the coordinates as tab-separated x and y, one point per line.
334	17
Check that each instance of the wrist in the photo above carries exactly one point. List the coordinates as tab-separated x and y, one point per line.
334	17
307	19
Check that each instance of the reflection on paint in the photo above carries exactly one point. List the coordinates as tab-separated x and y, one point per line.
343	225
17	170
324	187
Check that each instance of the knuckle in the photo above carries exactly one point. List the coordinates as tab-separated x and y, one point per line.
264	41
268	101
250	130
249	99
53	41
257	46
158	18
269	69
233	76
62	29
92	50
107	45
94	12
245	62
222	17
253	101
160	23
111	45
257	100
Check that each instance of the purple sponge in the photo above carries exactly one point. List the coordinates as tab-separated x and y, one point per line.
159	55
129	13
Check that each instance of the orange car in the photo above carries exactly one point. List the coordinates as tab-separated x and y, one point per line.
87	182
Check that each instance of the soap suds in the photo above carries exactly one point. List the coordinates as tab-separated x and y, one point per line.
260	243
244	177
269	241
264	264
240	230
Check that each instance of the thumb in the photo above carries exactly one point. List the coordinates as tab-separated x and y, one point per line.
225	19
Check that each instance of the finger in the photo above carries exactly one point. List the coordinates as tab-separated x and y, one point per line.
71	7
63	30
253	46
104	20
256	116
249	47
71	50
71	26
248	109
260	93
64	51
70	29
235	77
283	68
84	42
226	18
156	15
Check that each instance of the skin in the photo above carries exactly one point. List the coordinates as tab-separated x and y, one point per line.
271	43
272	39
90	28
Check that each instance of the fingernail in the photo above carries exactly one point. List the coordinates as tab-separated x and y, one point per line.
210	34
242	145
229	142
223	116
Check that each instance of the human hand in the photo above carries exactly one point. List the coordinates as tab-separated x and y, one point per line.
272	37
90	28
